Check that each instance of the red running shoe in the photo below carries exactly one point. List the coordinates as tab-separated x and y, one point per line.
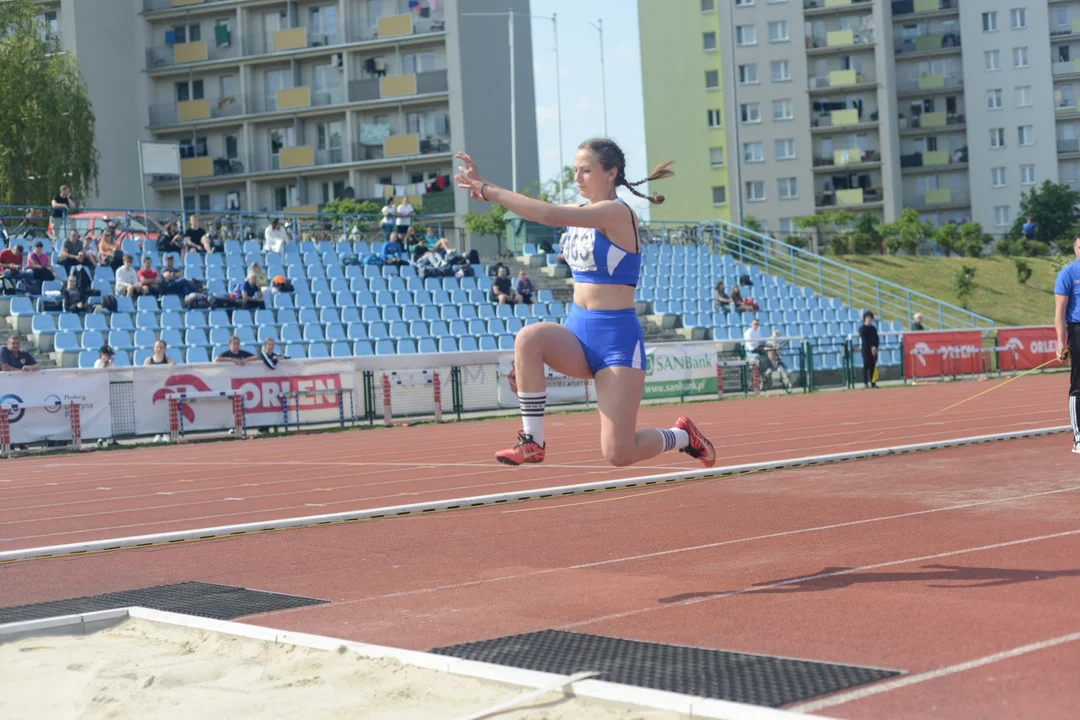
699	446
527	450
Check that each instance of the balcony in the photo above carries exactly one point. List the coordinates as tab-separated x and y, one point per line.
839	79
939	199
848	198
928	43
203	167
842	119
1060	34
395	27
297	98
393	86
930	122
839	41
853	159
155	5
1068	67
928	84
911	7
1066	109
1067	146
291	39
823	7
194	111
164	56
400	145
933	160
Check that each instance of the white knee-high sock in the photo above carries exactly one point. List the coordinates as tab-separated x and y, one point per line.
674	439
1074	415
532	414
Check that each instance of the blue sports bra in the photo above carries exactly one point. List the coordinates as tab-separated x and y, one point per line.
593	258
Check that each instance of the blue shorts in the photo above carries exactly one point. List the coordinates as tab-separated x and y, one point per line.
610	338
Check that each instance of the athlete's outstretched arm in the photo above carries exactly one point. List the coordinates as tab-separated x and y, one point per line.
597	215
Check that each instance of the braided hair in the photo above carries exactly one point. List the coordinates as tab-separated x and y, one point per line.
610	155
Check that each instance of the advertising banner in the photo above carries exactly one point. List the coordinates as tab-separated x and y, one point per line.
260	386
677	369
561	390
36	404
940	353
1026	347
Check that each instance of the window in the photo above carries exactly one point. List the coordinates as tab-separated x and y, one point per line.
993	99
719	195
193	147
418	62
716	156
783	110
712	79
993	59
748	74
778	31
1027	174
755	191
1019	18
997	177
1023	96
997	137
746	35
787	227
714	118
781	70
232	147
1026	135
708	41
708	5
753	152
204	203
187	33
785	149
1061	16
787	188
1001	215
989	21
1020	57
750	112
743	3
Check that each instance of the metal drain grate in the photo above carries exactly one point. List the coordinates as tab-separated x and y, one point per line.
754	679
221	602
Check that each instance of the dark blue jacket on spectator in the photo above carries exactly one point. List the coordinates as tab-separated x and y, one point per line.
391	249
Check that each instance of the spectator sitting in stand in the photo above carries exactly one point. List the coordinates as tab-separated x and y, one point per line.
409	239
109	249
260	275
917	324
234	354
74	298
127	279
171	240
275	238
737	301
159	357
38	263
523	287
721	299
195	238
106	356
418	250
269	357
71	252
13	358
392	252
173	281
149	278
12	264
251	294
501	290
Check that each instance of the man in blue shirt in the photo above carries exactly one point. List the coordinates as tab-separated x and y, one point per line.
392	252
1067	324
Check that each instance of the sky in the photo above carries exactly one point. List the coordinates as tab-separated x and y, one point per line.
579	77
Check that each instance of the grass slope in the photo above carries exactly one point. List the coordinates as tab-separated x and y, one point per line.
998	294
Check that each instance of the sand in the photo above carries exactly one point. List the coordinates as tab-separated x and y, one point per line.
141	669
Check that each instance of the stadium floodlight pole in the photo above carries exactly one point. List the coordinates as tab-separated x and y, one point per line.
599	25
558	97
513	104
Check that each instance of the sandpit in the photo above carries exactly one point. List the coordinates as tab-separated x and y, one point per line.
142	669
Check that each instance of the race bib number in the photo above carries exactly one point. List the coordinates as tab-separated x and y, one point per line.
577	248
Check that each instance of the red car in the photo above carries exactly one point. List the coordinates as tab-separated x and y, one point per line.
132	226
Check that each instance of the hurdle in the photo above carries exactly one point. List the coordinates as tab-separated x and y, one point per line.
297	394
754	369
74	414
176	411
410	378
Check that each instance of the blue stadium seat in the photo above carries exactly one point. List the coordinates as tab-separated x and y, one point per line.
286	317
291	334
399	330
418	329
371	314
506	342
92	339
363	348
427	345
467	312
439	297
449	312
334	332
314	333
345	299
438	328
196	337
468	344
87	358
385	347
42	324
411	313
448	344
146	321
513	325
396	284
121	340
21	307
267	332
505	311
171	302
486	312
378	331
282	300
171	336
296	351
496	326
246	335
324	300
391	314
195	355
320	286
318	351
340	350
478	296
459	297
406	347
358	284
350	314
68	322
66	341
488	342
477	327
329	315
357	331
195	319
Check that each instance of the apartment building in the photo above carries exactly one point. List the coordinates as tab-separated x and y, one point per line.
877	105
287	104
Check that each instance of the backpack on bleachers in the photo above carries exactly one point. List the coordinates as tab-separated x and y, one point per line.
196	301
8	286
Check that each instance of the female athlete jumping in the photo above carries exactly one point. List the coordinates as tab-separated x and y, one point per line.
602	338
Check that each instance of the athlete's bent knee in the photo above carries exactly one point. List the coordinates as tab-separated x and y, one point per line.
619	455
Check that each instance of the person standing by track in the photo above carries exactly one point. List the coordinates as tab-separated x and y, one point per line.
869	341
1067	324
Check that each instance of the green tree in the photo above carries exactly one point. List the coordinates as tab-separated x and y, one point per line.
963	284
489	222
46	120
866	237
947	237
753	224
1023	271
973	240
820	222
351	206
549	191
906	233
1053	208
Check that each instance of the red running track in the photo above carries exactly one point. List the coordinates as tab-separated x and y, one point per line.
101	495
918	562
